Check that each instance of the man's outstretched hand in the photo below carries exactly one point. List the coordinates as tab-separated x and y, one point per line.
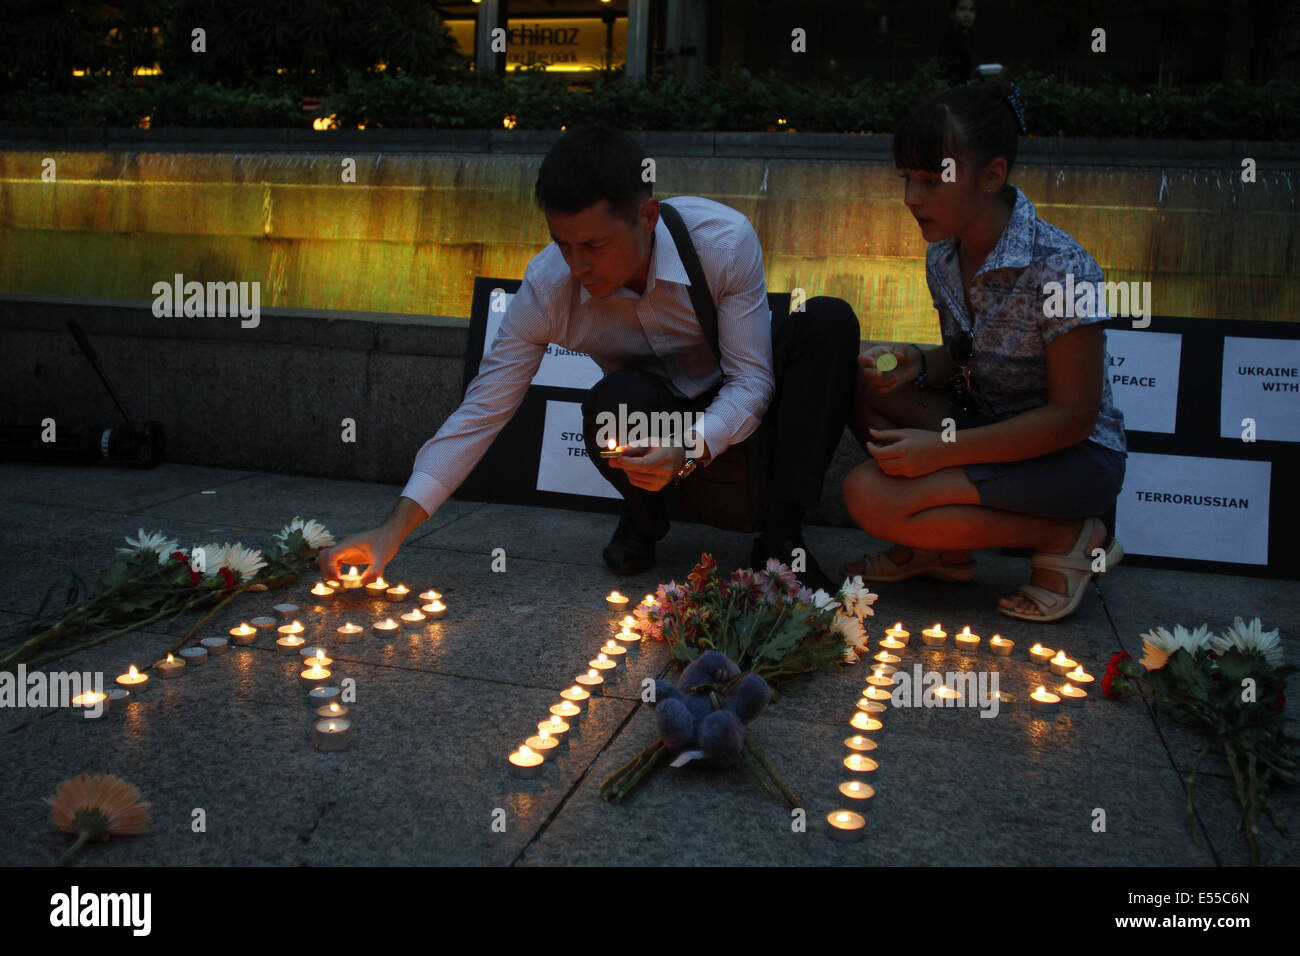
374	548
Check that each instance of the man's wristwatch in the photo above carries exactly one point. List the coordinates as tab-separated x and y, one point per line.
687	469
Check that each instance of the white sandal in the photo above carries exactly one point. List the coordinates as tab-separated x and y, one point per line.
1075	567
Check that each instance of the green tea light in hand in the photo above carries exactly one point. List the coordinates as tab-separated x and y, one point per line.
887	362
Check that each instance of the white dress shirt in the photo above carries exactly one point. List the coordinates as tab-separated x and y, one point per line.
657	331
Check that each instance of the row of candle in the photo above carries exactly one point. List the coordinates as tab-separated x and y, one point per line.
851	825
528	760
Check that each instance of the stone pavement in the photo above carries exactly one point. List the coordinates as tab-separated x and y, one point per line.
437	713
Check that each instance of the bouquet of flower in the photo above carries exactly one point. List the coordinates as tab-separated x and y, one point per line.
154	578
1232	687
765	621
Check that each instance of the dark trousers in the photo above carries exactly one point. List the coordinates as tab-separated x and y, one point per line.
814	355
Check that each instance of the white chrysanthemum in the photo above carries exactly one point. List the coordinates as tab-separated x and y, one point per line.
855	636
1158	644
850	656
214	556
1250	637
313	532
245	562
821	600
155	542
857	597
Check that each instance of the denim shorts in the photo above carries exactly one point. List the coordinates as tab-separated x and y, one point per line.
1080	481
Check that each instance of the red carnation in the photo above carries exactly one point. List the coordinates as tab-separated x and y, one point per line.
1114	670
229	578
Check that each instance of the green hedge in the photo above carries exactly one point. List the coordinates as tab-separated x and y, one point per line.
742	102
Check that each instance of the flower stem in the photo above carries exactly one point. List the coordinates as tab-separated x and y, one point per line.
73	850
794	802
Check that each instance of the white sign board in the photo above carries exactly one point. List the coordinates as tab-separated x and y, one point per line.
564	465
1207	509
1143	372
1261	382
560	367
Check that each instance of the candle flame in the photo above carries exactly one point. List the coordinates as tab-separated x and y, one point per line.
842	817
544	733
966	631
352	572
1040	692
1068	688
937	627
602	658
1036	649
133	672
170	659
334	708
525	751
591	672
1060	657
575	689
330	726
555	720
612	446
320	655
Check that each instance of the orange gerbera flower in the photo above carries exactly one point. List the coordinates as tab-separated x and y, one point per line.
95	808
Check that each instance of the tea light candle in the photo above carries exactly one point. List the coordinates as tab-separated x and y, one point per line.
602	663
897	634
884	669
873	707
628	636
525	763
1043	702
934	636
349	633
1079	677
133	681
333	585
629	622
322	695
386	627
170	667
1061	664
244	634
616	601
315	655
321	589
1040	655
378	588
555	727
332	733
332	710
91	705
194	656
350	581
857	763
648	600
588	683
216	645
877	694
613	649
289	630
884	657
565	710
262	623
118	694
999	646
860	743
966	641
866	723
577	696
1072	696
879	678
846	826
947	696
434	610
414	619
543	743
286	612
289	644
857	790
428	597
315	674
398	592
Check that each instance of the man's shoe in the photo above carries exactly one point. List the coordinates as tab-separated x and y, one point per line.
631	550
812	576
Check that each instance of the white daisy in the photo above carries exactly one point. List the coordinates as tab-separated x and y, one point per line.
313	532
244	562
857	597
1250	637
1159	644
851	629
214	556
155	542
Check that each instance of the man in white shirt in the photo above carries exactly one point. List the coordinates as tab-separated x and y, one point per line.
614	285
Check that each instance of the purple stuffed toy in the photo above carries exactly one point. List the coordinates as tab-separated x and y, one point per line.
704	716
